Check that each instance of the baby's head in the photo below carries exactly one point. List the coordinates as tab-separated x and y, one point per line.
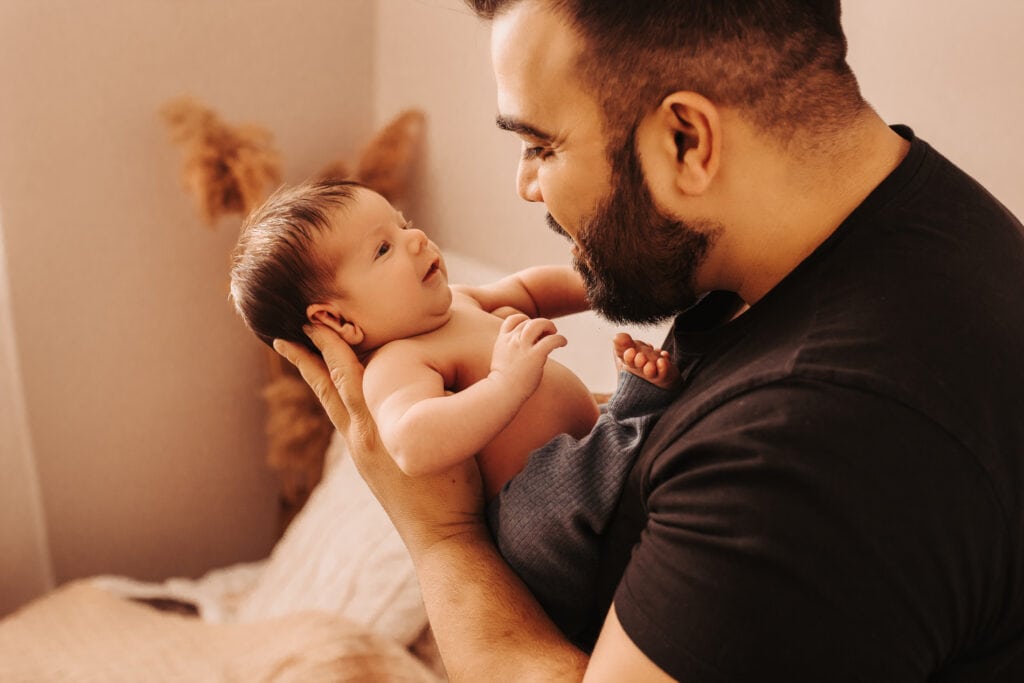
337	253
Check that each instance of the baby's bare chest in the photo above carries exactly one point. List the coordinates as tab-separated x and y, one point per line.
461	351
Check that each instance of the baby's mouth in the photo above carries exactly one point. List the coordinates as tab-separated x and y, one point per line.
434	267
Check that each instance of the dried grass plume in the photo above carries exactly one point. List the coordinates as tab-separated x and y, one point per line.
228	169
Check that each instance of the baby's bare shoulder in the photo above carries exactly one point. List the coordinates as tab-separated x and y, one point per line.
433	351
395	365
410	351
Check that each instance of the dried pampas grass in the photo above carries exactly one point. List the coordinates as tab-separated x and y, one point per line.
228	169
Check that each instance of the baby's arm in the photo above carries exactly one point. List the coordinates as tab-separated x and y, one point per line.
427	431
645	361
548	291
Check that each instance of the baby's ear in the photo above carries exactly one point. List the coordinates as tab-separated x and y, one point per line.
328	315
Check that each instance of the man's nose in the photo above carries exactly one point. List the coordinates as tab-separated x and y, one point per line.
526	181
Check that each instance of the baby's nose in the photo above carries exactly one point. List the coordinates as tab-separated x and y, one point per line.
417	240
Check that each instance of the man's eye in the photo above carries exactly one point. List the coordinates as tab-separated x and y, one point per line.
534	153
384	248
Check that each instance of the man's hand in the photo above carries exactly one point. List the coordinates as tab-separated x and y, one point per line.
424	510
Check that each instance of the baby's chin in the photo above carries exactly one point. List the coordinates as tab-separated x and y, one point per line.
431	320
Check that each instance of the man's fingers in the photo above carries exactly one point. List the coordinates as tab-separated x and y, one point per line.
346	376
315	373
289	351
345	369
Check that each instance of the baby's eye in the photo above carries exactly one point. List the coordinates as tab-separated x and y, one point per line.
384	248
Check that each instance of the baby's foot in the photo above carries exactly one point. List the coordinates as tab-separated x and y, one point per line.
645	361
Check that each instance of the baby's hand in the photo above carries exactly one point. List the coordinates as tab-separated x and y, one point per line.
520	351
645	361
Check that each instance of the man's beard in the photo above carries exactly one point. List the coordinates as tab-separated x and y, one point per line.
638	265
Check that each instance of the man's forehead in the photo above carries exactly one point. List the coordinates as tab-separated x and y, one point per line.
534	52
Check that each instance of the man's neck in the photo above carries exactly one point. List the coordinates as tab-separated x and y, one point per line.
798	201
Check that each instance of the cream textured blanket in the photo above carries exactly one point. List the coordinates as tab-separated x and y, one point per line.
337	600
84	634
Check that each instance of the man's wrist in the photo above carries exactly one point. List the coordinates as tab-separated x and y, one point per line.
433	545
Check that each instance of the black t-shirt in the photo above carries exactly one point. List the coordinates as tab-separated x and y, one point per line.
837	494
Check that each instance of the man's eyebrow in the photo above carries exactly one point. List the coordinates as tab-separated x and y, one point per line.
516	126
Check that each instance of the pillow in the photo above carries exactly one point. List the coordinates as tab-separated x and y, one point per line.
342	555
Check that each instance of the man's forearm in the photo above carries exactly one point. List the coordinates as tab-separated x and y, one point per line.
487	624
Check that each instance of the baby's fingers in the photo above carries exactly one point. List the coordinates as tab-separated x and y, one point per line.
512	322
549	343
537	328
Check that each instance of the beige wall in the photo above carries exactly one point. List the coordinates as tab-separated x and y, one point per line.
953	72
140	386
26	569
434	54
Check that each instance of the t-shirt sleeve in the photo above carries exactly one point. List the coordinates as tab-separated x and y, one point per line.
799	533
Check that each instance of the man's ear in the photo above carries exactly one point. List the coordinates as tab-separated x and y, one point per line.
329	315
684	138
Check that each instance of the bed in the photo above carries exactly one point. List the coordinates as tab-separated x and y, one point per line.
312	611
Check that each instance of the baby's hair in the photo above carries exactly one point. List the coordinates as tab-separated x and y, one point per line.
276	273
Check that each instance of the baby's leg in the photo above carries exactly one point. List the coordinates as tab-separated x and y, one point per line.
645	361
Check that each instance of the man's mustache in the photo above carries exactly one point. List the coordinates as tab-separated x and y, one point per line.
555	227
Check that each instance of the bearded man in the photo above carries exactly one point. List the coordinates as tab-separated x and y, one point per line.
836	494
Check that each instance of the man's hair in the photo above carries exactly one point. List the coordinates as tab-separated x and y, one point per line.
781	63
276	273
